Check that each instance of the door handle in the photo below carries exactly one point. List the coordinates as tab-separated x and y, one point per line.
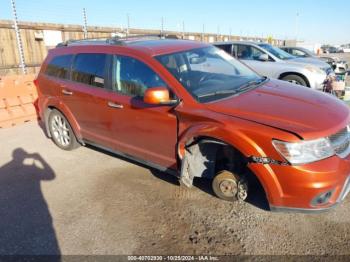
67	92
114	105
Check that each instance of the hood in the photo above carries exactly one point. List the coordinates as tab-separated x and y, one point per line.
310	60
308	113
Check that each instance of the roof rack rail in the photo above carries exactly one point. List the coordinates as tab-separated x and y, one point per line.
115	40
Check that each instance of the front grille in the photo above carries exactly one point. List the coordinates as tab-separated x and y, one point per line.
341	142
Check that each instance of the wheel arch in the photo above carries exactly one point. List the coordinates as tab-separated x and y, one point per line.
66	113
284	74
239	142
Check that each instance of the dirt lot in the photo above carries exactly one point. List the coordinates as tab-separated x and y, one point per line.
89	202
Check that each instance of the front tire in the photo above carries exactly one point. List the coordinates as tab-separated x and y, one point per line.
61	132
229	186
295	79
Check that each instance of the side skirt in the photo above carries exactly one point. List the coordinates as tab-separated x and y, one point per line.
135	159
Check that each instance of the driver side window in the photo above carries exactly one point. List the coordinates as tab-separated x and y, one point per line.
298	53
247	52
132	77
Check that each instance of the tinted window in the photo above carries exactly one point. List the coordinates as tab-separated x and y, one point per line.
226	48
132	77
90	69
59	66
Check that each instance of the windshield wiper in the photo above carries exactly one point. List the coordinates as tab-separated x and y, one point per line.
251	84
245	87
220	92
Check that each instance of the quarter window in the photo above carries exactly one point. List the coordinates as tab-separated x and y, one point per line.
90	69
59	66
132	77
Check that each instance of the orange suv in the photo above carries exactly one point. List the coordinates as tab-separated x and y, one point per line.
190	109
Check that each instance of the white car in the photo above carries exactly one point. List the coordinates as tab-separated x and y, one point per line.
273	62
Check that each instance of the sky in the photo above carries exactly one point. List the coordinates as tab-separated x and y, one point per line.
322	21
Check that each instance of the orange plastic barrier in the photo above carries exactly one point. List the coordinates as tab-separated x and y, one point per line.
17	97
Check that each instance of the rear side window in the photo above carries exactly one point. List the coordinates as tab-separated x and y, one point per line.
90	69
59	66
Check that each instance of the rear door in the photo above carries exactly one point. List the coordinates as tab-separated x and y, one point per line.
89	79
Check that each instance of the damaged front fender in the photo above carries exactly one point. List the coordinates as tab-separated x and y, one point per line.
198	161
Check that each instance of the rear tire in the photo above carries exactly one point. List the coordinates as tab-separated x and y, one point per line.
295	79
61	131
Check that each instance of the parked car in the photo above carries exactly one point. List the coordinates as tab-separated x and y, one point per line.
339	66
342	66
304	52
191	110
273	62
329	49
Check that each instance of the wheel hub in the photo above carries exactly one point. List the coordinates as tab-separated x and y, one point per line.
228	187
60	130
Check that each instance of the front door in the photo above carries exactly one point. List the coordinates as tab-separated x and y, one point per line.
148	132
250	56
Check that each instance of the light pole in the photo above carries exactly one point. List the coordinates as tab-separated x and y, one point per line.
85	24
18	38
296	26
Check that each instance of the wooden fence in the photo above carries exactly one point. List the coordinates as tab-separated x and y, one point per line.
38	38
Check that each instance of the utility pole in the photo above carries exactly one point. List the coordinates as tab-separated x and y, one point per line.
296	26
218	33
183	30
230	36
85	24
127	25
203	33
18	38
162	27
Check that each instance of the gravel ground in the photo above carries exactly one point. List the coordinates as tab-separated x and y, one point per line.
88	202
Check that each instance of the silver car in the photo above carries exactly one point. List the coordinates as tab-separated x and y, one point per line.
273	62
339	66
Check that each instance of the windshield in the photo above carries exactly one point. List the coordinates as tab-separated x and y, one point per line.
279	53
209	73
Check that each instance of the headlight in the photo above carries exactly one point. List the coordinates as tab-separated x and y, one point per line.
314	69
305	151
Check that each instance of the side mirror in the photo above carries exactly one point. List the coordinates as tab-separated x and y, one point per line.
264	57
158	96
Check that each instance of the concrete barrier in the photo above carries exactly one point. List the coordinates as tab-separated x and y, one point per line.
18	95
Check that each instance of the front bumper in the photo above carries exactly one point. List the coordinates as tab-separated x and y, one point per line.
318	81
342	196
294	188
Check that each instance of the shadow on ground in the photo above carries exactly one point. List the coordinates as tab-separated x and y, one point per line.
25	221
